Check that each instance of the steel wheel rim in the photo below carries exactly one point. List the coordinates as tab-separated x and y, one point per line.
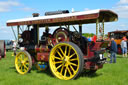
22	63
64	61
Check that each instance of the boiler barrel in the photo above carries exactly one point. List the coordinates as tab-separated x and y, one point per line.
56	12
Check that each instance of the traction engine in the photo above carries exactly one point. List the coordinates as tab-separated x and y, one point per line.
62	51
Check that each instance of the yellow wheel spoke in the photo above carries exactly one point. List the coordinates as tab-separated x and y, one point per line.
21	68
18	61
19	64
25	59
58	62
72	68
25	70
26	67
61	51
59	66
72	55
69	70
62	69
20	58
73	59
26	63
65	50
65	72
57	58
53	58
69	51
73	64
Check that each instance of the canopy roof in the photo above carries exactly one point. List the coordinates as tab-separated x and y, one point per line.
119	31
84	17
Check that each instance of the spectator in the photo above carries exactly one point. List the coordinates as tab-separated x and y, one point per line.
14	47
113	51
124	46
94	38
89	39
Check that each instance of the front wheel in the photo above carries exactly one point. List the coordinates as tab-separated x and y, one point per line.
66	61
23	62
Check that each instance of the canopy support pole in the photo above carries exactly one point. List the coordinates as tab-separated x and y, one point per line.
14	33
68	28
80	29
28	26
18	32
103	27
38	34
97	22
20	29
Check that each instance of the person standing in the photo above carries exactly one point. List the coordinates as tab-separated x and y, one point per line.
94	38
113	51
124	47
14	47
89	39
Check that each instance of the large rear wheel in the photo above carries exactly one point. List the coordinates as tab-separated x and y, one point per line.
23	62
66	61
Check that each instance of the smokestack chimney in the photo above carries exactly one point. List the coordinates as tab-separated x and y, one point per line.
35	14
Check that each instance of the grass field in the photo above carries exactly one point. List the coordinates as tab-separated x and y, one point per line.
111	74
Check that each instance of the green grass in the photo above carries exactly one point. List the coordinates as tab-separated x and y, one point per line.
110	74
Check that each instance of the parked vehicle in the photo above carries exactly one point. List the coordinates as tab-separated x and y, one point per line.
118	35
9	45
66	52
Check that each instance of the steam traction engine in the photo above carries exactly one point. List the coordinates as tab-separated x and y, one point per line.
66	52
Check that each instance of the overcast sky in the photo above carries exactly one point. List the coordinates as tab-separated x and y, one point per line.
15	9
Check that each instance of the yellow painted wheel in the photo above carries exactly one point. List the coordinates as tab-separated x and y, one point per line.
23	62
41	66
66	60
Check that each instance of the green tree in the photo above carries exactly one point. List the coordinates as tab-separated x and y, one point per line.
88	34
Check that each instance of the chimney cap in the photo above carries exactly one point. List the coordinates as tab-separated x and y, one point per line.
35	14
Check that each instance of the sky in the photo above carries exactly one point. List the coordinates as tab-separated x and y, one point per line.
16	9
